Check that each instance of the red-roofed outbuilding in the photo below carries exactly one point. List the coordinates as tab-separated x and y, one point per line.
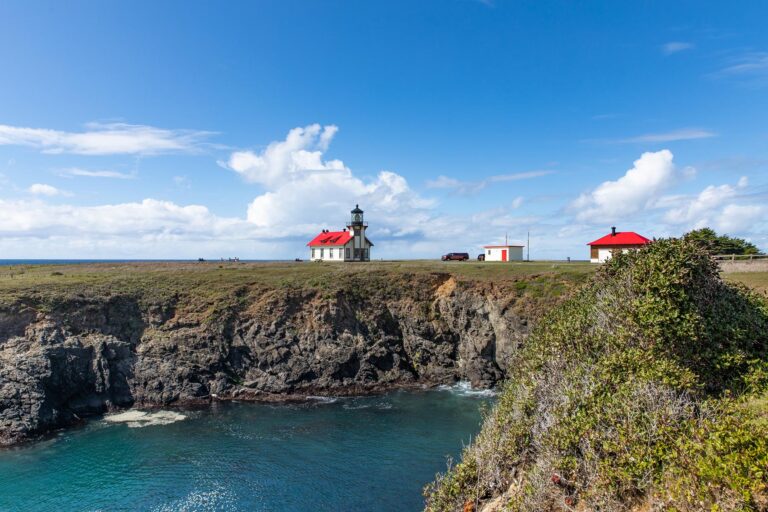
602	248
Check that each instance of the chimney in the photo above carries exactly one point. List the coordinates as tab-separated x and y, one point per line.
613	231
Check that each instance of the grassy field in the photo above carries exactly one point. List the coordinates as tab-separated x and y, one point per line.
756	280
220	278
152	278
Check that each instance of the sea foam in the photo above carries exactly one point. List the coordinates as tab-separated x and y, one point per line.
323	399
138	419
464	388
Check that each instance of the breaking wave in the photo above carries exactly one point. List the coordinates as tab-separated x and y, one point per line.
323	399
464	388
138	419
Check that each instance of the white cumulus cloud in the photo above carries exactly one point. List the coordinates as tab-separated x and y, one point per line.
651	174
299	155
717	206
697	210
41	189
739	219
306	192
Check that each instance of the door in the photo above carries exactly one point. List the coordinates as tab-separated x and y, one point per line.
503	255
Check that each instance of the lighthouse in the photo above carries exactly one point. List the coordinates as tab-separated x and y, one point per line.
357	227
350	244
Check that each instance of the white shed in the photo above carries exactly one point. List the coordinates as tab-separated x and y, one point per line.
503	252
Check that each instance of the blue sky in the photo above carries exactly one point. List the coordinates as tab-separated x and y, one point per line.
186	129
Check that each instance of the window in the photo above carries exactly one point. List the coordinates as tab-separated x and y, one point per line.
593	253
313	253
489	252
330	253
347	252
321	253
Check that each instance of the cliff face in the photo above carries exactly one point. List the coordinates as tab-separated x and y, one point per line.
63	359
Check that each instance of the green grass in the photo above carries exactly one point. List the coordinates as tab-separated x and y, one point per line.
152	280
756	280
156	281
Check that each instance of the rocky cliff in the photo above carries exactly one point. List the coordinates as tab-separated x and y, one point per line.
64	356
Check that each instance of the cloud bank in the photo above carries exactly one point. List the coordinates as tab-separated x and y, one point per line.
299	188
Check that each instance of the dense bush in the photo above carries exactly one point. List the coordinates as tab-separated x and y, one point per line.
645	390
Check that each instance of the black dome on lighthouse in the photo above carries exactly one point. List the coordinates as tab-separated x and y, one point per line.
357	209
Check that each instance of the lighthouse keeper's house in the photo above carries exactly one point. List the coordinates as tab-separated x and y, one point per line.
350	244
602	249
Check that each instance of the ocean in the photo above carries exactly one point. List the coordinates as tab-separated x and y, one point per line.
8	262
337	454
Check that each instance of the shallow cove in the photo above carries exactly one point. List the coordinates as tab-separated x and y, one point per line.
366	453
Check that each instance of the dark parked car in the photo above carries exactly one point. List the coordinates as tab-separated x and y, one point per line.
455	256
481	257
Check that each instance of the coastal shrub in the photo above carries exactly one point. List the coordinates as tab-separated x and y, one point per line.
646	389
721	244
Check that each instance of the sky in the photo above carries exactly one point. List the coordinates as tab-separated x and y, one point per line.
194	129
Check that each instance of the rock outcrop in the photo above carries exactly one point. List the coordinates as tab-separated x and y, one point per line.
64	360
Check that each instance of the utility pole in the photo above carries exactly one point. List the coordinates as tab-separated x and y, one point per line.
529	246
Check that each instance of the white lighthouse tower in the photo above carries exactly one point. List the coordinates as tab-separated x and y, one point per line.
360	245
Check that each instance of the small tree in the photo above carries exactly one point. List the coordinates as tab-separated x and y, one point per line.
720	244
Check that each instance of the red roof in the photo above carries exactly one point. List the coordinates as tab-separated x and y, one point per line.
621	238
330	238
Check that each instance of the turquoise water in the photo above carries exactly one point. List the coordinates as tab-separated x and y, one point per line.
351	454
